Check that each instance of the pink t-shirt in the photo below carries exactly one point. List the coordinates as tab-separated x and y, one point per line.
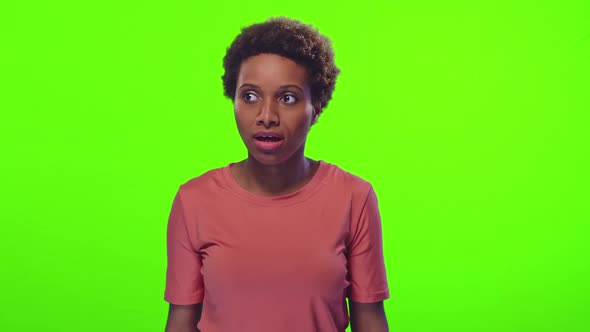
283	263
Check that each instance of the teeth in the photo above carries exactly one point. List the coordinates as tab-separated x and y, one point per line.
268	138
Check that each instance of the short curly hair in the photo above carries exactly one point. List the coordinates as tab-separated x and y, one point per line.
289	38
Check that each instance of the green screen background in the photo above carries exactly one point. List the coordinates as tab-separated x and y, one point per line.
469	118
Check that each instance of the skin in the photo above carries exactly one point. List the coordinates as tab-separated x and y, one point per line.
367	317
183	318
273	95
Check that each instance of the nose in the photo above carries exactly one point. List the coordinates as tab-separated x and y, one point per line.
268	114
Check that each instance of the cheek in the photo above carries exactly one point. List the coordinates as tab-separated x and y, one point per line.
303	124
244	121
240	121
244	112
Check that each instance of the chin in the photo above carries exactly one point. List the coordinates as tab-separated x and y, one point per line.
268	159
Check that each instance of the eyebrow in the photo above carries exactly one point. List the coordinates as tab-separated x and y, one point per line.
250	85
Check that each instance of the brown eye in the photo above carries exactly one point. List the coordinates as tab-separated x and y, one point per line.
289	99
249	97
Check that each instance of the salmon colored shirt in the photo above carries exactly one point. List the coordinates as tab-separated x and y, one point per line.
283	263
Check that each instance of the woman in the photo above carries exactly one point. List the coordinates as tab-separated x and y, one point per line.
276	242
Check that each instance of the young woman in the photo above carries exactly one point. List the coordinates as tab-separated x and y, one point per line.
277	241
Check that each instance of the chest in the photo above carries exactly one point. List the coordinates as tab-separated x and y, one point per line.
295	249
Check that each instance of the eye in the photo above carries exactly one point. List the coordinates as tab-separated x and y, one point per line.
289	99
249	97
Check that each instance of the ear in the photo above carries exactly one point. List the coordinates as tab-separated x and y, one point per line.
316	113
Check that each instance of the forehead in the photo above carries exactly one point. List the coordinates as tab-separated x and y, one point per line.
271	70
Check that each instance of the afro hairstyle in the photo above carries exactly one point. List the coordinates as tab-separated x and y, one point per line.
291	39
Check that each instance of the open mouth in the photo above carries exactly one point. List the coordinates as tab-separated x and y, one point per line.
268	139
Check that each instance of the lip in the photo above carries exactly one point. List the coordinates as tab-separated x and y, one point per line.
268	133
268	147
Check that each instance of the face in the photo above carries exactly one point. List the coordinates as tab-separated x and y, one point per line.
273	95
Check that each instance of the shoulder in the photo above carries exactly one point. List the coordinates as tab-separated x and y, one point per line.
346	181
203	184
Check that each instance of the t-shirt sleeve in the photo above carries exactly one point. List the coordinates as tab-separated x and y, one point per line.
184	282
366	266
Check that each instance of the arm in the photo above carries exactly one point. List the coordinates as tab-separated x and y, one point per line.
366	267
184	318
367	317
184	282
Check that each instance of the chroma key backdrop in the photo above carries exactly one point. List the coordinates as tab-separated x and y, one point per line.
470	119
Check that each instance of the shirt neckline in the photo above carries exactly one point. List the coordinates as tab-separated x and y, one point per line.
301	194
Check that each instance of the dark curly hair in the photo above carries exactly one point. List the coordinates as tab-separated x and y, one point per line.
291	39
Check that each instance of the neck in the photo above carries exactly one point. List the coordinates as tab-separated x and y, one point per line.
277	179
